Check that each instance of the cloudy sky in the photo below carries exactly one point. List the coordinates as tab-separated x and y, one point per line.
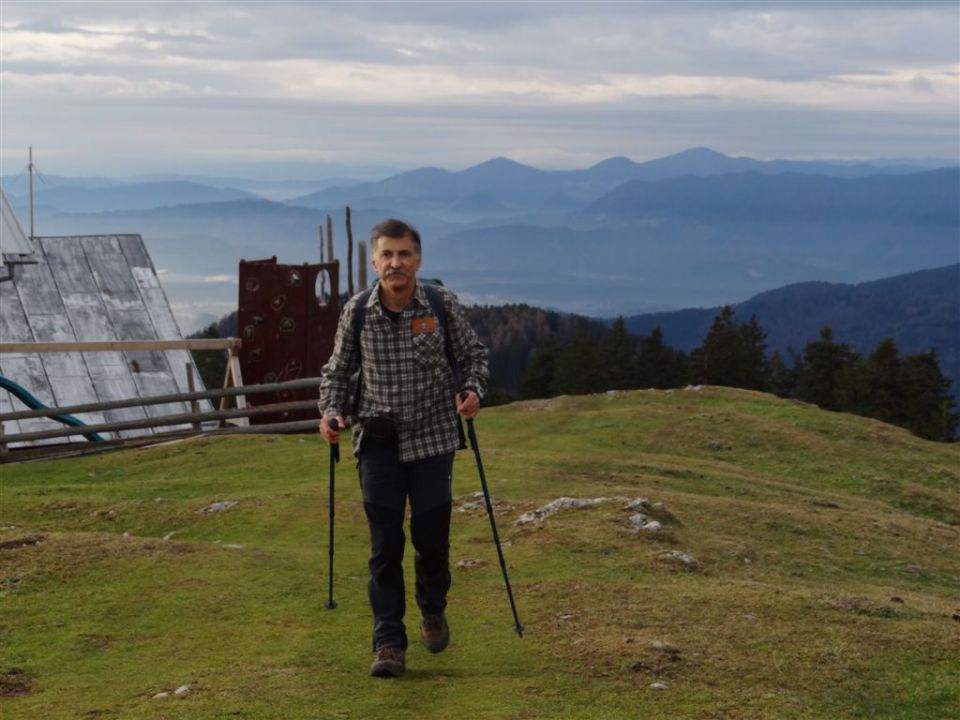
125	88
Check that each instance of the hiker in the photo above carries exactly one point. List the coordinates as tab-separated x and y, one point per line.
421	365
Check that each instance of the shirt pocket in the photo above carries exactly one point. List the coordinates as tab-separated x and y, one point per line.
428	349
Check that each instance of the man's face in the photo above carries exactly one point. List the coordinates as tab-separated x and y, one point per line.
396	261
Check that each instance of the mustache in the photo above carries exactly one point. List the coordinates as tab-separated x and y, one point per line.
396	271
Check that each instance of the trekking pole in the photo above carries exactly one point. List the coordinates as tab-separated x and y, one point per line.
472	434
334	459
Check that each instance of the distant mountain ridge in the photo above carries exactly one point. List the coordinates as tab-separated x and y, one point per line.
920	310
927	197
515	183
134	196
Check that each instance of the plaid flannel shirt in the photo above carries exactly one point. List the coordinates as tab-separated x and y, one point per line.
406	374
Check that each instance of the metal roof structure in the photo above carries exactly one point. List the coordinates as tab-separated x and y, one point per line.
13	242
89	289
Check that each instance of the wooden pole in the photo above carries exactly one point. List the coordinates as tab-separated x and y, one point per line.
330	255
349	255
323	275
194	405
362	263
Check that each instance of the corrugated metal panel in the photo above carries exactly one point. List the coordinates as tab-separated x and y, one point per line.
91	288
13	241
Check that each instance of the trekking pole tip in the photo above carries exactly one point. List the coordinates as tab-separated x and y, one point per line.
330	604
519	630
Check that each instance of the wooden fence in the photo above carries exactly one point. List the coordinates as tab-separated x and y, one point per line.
209	422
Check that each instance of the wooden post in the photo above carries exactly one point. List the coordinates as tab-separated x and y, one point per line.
234	378
330	254
194	405
349	255
362	264
323	275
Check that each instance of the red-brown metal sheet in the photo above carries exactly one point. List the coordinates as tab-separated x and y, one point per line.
286	327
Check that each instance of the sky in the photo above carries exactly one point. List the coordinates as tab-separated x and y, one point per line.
301	88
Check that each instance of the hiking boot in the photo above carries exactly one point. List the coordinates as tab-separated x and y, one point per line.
434	632
388	662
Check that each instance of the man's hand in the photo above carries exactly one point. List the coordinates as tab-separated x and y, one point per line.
329	434
468	404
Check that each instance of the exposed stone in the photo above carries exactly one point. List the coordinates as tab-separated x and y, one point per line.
182	690
719	445
659	686
680	559
469	564
219	506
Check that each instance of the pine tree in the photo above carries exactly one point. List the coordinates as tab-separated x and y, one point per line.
820	368
618	355
928	404
732	354
578	368
781	379
538	379
659	366
883	369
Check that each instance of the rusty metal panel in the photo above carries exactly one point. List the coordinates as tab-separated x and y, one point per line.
287	330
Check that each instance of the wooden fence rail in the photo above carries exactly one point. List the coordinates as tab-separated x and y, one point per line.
161	421
73	449
121	345
301	384
234	391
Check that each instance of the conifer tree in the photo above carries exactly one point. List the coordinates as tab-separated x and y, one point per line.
618	355
538	379
659	366
577	370
883	375
929	406
732	354
820	369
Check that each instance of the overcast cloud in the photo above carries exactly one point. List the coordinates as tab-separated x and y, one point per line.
134	87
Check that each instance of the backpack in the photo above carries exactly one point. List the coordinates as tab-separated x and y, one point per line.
435	299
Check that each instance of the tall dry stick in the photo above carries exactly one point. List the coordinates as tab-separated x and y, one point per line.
330	255
362	263
323	274
349	255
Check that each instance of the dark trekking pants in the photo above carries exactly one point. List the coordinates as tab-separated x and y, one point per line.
386	485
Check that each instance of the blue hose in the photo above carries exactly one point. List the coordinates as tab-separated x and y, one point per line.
31	402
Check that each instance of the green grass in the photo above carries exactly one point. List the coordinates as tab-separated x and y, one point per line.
828	545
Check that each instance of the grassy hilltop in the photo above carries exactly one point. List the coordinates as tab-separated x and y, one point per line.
826	581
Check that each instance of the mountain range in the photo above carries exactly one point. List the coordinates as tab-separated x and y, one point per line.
693	229
920	310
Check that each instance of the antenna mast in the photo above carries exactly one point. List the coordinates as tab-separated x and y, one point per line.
30	168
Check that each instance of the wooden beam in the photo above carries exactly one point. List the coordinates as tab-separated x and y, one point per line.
39	452
177	419
121	345
301	384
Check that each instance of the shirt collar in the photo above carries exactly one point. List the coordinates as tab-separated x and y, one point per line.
419	296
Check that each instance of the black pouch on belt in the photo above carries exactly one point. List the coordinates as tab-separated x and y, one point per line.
379	430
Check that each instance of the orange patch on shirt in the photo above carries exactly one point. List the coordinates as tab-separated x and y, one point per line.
424	325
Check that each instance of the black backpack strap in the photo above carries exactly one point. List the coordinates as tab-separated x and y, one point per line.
359	316
435	297
440	312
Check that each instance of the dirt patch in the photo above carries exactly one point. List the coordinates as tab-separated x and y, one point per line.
21	542
14	682
100	642
862	606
